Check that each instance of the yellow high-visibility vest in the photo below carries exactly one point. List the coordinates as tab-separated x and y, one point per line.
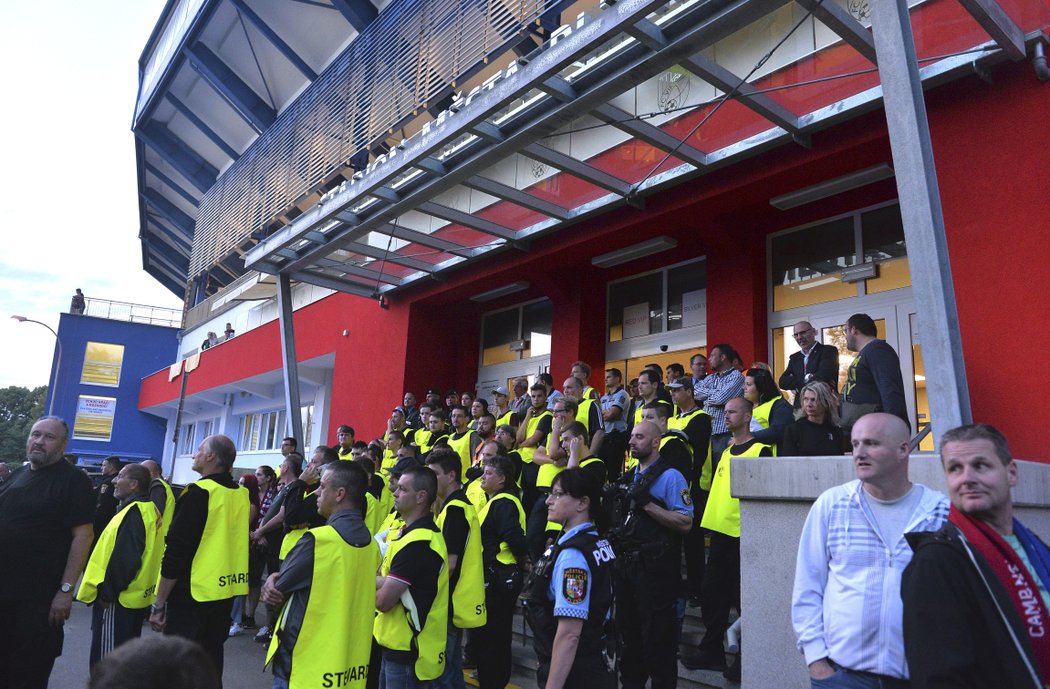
505	556
142	590
722	513
468	598
220	566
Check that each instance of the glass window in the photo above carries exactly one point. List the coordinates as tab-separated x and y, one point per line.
882	236
94	419
261	431
536	324
530	322
686	285
102	364
636	306
185	445
807	265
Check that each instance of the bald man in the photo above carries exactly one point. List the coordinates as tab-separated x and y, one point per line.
846	607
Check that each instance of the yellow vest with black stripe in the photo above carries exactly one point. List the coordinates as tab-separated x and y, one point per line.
476	494
761	414
638	411
583	415
394	628
426	440
722	513
142	590
169	508
505	556
678	422
468	598
335	636
526	453
462	447
505	419
346	455
220	566
293	536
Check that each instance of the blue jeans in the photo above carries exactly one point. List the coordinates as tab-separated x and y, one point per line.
280	683
397	676
453	677
850	679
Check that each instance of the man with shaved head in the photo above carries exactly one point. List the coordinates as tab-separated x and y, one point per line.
846	607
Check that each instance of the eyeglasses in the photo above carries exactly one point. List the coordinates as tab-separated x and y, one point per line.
804	332
555	494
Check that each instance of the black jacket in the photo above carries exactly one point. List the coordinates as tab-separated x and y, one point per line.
823	364
960	627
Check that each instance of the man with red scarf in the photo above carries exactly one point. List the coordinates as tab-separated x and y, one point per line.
975	594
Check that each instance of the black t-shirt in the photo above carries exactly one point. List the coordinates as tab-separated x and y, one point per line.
455	529
418	566
38	510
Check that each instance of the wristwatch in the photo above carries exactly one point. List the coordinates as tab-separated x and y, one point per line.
66	587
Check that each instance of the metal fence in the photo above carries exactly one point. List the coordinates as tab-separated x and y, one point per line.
410	58
133	313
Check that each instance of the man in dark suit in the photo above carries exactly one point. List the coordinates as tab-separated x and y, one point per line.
815	361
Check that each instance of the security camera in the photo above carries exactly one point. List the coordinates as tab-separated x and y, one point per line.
663	348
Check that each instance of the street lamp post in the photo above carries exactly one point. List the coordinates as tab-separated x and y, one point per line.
58	362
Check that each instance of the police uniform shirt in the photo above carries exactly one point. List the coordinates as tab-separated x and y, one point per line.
417	565
38	510
622	401
184	536
671	489
570	586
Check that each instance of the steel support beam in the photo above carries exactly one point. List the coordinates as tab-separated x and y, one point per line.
171	184
654	136
336	284
577	168
292	404
427	240
241	97
275	40
990	15
358	271
517	197
170	212
920	202
359	13
201	125
842	22
467	220
197	171
389	257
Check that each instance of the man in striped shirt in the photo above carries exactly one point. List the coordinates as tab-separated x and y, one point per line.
846	607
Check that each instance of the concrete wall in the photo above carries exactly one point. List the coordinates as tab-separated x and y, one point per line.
775	497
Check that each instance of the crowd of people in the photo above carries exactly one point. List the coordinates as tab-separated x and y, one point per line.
400	561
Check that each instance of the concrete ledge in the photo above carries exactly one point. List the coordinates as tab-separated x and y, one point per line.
775	497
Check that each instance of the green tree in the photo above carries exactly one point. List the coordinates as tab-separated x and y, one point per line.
19	407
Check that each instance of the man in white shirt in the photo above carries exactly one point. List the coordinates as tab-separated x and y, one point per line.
846	608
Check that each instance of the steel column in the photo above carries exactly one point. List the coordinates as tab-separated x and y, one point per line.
292	405
920	203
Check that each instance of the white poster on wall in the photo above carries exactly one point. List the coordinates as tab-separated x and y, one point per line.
694	308
636	320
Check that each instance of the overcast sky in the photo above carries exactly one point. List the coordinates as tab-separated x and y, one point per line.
70	73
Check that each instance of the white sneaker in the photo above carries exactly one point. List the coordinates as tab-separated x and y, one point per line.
235	629
263	634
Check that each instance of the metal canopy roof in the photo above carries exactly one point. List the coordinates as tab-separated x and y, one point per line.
393	224
214	75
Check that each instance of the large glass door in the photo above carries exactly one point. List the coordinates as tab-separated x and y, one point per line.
895	323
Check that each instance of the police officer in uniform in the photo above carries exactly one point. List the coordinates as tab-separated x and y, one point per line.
205	563
121	576
570	591
653	510
331	568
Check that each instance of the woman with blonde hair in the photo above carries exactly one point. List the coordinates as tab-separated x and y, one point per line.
816	430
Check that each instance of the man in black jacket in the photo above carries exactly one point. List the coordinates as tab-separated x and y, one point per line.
813	361
975	602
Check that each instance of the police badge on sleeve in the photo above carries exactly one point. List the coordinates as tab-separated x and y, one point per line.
574	584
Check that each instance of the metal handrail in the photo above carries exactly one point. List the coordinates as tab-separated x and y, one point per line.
132	313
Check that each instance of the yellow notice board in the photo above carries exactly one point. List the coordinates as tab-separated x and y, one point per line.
102	363
94	420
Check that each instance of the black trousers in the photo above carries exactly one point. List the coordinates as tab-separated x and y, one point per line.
721	590
647	620
28	644
113	626
612	452
206	623
695	553
536	526
492	644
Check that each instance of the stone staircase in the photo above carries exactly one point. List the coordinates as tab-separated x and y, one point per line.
692	632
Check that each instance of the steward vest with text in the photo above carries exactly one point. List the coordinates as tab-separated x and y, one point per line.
394	629
468	598
142	590
220	566
335	636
